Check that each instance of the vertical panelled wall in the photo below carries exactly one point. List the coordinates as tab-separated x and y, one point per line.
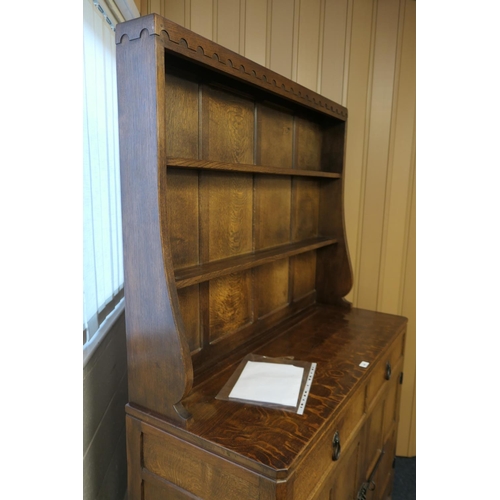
360	53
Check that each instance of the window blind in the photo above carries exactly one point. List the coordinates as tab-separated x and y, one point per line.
102	237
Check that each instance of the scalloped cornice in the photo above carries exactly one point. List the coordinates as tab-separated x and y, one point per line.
189	44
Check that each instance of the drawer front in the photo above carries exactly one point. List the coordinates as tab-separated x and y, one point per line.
319	462
343	484
381	422
192	472
383	370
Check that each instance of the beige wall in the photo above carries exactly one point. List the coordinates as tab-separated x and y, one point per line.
360	53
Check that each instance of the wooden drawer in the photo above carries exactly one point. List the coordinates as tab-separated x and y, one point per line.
379	375
319	462
195	473
343	483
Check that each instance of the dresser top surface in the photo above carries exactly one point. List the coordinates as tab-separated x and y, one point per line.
338	341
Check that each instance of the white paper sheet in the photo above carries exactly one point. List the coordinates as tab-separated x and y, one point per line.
269	383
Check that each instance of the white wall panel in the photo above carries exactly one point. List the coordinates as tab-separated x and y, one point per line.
174	10
202	17
228	24
256	30
400	168
282	19
308	43
334	43
382	88
358	99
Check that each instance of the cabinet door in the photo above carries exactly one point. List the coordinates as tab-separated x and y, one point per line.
344	483
380	448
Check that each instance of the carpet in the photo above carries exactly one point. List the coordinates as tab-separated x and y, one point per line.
405	479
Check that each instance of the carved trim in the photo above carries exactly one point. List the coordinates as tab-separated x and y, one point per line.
187	43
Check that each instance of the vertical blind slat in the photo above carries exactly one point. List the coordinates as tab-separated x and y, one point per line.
103	255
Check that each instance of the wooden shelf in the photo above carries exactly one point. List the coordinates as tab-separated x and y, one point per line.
250	169
204	272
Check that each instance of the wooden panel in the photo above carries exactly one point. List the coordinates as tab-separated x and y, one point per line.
305	209
347	480
378	380
333	149
304	274
181	111
204	272
308	142
134	453
309	26
182	140
274	137
155	491
272	196
226	201
374	440
385	476
319	461
254	169
189	302
151	308
155	488
382	474
182	212
255	31
390	408
271	290
194	470
340	340
344	483
228	123
230	306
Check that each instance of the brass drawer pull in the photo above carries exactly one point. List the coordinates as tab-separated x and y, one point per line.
336	446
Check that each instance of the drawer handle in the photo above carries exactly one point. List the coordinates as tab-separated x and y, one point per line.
336	446
388	371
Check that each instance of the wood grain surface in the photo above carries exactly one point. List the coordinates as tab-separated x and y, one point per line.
273	440
190	163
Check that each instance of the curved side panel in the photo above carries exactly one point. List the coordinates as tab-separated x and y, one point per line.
335	280
160	368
